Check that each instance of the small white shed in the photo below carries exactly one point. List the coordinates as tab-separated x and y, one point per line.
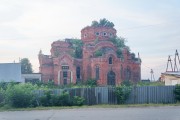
171	78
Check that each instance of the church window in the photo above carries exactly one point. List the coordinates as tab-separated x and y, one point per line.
65	67
110	60
121	72
97	72
110	34
97	33
65	74
104	34
78	71
85	35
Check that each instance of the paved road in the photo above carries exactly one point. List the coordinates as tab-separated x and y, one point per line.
146	113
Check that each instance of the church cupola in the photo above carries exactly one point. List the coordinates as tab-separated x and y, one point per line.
102	30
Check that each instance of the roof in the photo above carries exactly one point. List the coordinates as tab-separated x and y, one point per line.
172	73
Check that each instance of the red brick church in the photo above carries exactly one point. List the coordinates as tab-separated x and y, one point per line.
99	55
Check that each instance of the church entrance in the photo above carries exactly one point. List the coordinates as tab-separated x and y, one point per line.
111	78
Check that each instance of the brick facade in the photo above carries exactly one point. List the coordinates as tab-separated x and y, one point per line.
107	69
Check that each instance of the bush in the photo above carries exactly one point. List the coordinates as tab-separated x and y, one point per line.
78	101
177	92
91	83
64	99
20	95
127	83
122	93
55	100
2	97
45	100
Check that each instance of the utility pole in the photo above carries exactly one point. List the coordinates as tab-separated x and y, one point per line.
152	75
175	64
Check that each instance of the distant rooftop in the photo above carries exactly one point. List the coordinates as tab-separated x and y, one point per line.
172	73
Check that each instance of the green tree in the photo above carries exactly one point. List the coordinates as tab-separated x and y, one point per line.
26	67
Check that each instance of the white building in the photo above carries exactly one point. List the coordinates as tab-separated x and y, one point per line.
171	78
10	72
34	77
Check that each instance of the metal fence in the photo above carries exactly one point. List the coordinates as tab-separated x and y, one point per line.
106	95
152	94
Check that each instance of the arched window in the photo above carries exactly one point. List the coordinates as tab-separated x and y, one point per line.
97	72
110	60
121	72
128	73
78	72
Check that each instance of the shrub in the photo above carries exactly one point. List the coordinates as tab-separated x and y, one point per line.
78	101
91	83
2	97
177	92
64	99
122	93
55	100
45	100
20	95
127	83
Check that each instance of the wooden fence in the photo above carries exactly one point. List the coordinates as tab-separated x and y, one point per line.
105	95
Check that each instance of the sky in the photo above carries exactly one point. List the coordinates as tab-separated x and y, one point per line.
151	27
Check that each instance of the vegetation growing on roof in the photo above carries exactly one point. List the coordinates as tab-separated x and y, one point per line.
76	45
119	42
102	23
98	53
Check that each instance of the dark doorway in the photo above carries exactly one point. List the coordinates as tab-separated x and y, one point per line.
111	78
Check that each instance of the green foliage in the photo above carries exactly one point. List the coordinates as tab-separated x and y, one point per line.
91	82
2	97
49	99
177	92
122	92
119	42
26	67
78	101
126	83
64	99
24	95
98	53
102	23
20	95
76	45
45	100
156	83
119	53
3	85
